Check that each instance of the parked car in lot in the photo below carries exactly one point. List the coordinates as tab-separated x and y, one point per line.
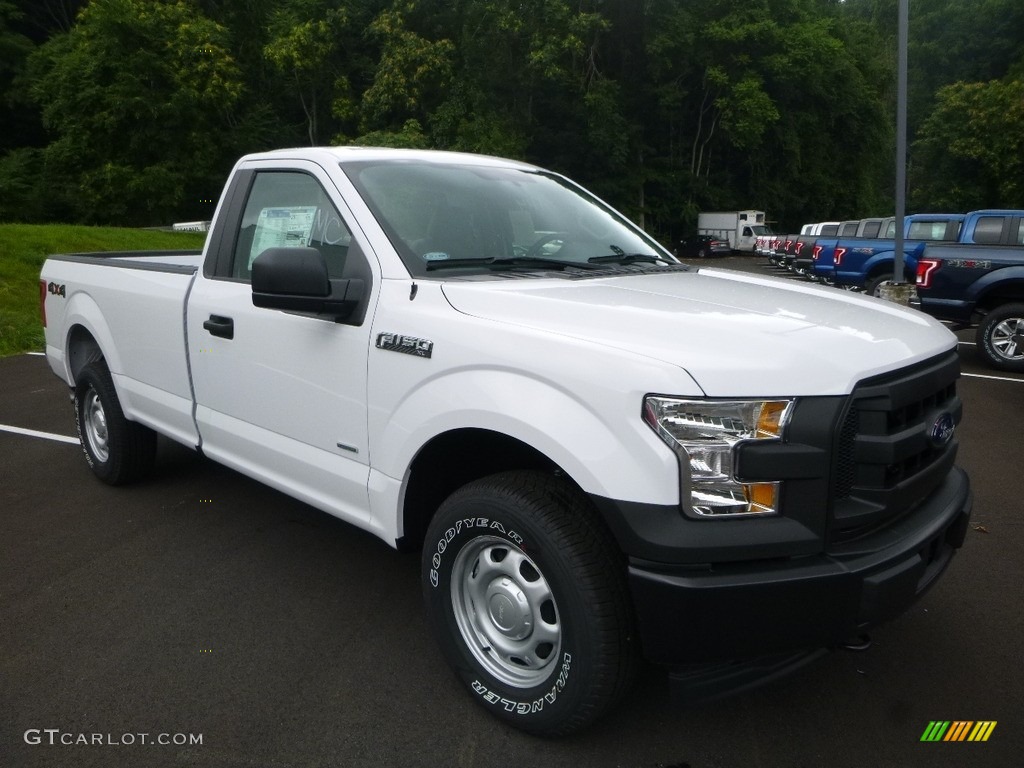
477	359
702	247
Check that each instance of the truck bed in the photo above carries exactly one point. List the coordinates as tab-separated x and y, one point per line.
141	328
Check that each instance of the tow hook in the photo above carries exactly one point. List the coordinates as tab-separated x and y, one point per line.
857	644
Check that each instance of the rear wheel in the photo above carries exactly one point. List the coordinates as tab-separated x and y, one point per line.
873	287
118	451
1000	337
526	593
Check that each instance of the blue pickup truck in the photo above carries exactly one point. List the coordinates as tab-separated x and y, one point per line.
982	286
822	251
867	264
810	250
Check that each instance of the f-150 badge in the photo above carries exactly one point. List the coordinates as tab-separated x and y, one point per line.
408	345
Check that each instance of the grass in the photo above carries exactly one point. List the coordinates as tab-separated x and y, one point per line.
24	247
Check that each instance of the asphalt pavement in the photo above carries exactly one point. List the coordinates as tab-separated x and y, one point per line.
243	628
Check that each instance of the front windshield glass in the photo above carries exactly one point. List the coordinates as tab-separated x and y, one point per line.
471	219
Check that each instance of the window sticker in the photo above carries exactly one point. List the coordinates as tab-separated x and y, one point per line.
286	227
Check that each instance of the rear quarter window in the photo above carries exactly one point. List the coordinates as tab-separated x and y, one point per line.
989	229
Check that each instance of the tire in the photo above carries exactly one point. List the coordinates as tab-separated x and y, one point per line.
118	451
525	591
1001	337
872	286
701	253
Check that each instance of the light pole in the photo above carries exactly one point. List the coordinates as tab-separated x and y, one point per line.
900	292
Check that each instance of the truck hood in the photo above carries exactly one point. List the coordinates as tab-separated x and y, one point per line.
737	335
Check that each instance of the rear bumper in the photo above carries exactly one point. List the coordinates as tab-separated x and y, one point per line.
746	610
955	310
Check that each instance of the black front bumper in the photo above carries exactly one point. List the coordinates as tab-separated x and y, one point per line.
741	610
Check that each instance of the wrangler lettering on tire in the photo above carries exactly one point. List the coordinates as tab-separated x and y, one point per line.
526	594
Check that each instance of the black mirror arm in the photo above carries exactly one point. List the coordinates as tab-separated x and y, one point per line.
346	295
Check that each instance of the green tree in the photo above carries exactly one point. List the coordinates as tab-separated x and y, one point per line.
768	104
970	151
304	45
139	98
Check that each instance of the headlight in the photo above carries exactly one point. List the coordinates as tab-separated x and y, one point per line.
703	433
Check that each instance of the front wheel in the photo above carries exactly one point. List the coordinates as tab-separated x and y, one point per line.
525	591
118	451
1001	337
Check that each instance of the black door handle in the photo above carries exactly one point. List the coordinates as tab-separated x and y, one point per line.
220	326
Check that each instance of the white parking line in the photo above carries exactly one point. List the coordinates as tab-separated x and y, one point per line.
35	433
993	378
36	354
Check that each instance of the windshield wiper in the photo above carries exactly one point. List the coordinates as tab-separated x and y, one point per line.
506	262
628	258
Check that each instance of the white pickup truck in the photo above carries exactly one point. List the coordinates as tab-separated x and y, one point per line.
600	452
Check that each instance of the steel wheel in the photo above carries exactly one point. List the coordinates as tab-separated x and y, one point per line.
506	612
118	451
526	593
96	426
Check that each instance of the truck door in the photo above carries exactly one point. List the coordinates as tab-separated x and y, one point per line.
282	396
745	242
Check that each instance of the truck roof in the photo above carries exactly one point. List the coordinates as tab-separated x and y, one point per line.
997	212
339	154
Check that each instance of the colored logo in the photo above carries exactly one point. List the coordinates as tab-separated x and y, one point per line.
958	730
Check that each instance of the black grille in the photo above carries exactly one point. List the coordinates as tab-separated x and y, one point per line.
887	460
845	469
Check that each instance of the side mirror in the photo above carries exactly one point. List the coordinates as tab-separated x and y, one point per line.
296	280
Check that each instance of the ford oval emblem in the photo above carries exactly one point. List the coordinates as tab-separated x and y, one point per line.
942	429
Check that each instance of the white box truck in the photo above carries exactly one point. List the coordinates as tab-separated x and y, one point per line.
740	228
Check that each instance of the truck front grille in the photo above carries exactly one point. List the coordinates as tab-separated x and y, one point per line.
890	454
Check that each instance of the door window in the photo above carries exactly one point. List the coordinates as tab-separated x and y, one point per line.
289	209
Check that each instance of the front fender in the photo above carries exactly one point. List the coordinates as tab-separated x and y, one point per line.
604	446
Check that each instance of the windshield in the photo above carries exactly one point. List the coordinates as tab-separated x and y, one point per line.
470	219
